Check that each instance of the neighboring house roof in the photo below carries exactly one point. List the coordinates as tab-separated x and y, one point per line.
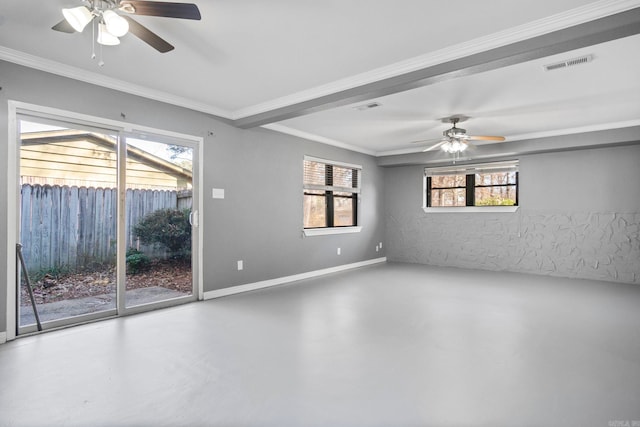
89	159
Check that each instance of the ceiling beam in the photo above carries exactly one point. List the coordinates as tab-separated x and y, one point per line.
601	30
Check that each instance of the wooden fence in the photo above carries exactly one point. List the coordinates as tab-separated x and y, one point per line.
75	227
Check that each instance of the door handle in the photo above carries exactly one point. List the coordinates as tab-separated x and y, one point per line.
193	218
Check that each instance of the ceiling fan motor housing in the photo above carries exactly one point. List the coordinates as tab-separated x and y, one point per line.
457	133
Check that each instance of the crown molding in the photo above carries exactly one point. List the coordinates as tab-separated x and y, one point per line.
571	131
412	150
399	151
60	69
317	138
580	15
535	135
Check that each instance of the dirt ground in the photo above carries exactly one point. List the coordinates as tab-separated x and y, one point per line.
170	274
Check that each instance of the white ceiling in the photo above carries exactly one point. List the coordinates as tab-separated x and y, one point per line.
253	57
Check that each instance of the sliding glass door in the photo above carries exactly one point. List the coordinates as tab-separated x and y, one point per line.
106	222
67	213
159	218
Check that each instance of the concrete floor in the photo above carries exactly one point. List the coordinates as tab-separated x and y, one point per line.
388	345
76	307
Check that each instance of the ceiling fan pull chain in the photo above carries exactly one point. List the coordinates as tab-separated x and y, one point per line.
101	62
93	39
93	44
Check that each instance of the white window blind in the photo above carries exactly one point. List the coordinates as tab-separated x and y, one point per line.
495	167
326	175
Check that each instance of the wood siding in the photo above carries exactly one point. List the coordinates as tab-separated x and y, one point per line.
87	160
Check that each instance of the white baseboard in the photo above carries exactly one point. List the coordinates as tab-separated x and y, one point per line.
287	279
3	337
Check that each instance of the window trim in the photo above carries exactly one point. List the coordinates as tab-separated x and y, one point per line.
470	170
355	195
470	209
308	232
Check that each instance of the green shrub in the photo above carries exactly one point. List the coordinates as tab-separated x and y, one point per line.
136	261
167	227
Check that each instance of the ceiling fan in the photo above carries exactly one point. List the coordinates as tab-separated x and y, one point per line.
455	140
114	20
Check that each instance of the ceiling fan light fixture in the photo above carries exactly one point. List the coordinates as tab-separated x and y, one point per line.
113	20
105	37
454	146
116	24
77	17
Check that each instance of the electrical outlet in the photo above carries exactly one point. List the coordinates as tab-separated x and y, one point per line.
380	245
339	251
377	248
240	265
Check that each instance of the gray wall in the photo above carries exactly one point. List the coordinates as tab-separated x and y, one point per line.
579	217
260	219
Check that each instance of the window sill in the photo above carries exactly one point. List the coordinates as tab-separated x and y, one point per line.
472	209
332	230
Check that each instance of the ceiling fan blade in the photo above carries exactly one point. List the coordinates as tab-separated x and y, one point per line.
166	9
487	138
426	141
434	146
148	36
63	26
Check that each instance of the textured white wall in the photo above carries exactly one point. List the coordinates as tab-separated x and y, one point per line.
554	232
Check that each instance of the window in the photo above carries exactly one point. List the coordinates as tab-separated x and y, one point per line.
331	191
489	184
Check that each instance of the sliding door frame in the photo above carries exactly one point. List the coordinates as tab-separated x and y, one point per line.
122	129
161	137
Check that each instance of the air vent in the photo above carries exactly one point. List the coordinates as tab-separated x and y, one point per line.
367	106
569	63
